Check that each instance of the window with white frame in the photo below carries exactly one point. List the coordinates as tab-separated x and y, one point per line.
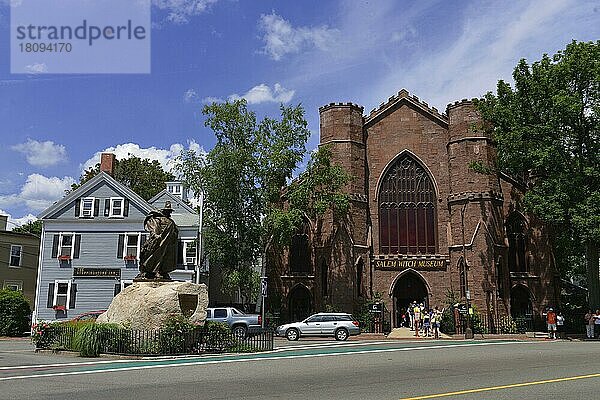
16	254
116	206
87	207
62	294
131	250
189	252
16	286
66	245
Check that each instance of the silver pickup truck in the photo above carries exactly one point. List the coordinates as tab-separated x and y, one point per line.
241	324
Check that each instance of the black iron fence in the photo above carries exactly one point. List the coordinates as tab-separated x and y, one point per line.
158	342
484	324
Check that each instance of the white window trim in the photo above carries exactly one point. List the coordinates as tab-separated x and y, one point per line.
18	284
56	282
60	243
139	244
10	256
112	212
184	241
124	282
83	199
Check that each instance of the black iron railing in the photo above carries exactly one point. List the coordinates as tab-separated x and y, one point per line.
160	342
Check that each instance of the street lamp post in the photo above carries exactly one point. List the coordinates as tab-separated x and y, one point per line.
468	330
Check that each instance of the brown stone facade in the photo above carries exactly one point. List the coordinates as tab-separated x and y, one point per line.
423	225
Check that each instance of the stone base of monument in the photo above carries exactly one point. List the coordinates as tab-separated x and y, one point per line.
148	305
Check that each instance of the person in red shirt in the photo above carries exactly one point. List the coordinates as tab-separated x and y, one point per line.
551	320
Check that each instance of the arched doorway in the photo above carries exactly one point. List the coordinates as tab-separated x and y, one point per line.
520	302
299	303
408	287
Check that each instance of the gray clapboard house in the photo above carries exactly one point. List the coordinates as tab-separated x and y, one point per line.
91	241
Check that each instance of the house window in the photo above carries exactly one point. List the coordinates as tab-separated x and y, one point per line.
16	253
462	271
16	286
66	245
62	294
189	252
116	206
87	207
132	246
407	210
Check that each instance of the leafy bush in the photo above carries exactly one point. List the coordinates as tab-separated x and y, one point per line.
174	334
14	313
91	339
41	335
447	324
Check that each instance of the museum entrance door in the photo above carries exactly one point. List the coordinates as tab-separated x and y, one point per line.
409	287
299	303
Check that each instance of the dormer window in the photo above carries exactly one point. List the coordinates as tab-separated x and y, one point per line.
87	207
116	206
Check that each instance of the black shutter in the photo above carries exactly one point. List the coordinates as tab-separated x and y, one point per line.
117	288
73	295
50	295
107	207
96	207
125	207
120	246
77	246
180	252
55	240
77	207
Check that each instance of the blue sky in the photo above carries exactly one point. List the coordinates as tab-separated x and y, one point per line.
309	52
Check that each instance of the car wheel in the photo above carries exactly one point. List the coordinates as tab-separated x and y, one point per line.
292	334
341	334
239	332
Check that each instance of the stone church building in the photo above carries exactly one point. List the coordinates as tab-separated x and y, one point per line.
423	225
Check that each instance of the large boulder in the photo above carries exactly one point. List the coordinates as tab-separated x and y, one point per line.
147	305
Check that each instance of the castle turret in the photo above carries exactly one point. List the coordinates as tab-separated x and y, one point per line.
475	205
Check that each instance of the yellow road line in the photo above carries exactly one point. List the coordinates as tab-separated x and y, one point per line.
515	385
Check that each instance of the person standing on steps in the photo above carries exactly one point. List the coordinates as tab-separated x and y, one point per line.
417	319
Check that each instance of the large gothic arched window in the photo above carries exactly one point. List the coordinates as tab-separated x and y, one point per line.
516	230
407	209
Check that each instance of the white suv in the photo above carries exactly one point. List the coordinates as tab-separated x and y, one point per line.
338	325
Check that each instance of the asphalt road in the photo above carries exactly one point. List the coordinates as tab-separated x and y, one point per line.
318	370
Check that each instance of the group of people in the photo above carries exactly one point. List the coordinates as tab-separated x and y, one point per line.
592	324
555	323
424	322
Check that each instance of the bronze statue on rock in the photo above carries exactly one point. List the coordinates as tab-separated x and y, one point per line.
158	255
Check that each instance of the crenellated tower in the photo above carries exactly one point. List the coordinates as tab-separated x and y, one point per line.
475	207
341	127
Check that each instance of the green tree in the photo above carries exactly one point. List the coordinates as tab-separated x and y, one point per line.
14	313
34	227
145	177
547	130
243	179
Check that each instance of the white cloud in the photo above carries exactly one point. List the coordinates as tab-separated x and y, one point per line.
16	222
42	154
190	96
180	11
263	93
282	38
166	157
37	68
38	192
211	99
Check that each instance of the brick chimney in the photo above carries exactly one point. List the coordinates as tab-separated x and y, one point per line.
107	163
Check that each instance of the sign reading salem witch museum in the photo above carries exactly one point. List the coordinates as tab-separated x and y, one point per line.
425	264
83	272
